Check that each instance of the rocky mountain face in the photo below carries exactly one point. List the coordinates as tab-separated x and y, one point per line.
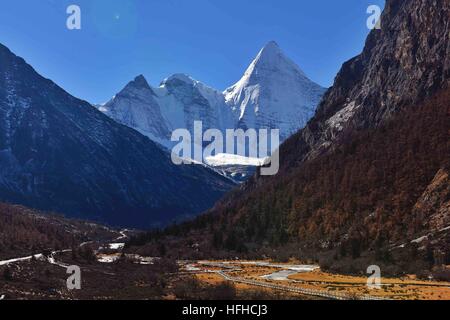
274	93
58	153
366	177
401	64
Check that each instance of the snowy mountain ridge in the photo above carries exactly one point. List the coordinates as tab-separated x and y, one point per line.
136	106
274	93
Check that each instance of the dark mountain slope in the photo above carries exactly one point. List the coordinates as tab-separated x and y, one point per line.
59	153
368	185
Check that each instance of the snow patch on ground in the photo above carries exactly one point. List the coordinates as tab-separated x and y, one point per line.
223	159
419	240
108	258
280	275
116	246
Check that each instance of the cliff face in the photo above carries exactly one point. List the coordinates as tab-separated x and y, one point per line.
401	64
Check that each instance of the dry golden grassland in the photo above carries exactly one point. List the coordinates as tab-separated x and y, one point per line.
406	288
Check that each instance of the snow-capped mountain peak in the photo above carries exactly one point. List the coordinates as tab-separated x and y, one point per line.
178	77
136	106
274	93
140	82
270	59
177	103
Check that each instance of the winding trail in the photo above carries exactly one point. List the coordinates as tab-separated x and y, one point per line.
51	258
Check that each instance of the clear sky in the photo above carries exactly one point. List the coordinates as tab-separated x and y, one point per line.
212	40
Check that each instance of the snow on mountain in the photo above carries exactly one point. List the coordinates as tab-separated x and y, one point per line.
184	100
274	93
223	159
136	106
176	104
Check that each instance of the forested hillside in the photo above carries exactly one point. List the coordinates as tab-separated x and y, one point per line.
25	231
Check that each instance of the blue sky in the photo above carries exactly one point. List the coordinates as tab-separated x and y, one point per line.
212	40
